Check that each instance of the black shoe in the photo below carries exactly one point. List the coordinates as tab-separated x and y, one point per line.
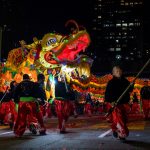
1	122
115	134
62	132
42	132
32	128
122	139
11	125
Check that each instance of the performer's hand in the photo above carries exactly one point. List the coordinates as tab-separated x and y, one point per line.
112	104
132	84
39	99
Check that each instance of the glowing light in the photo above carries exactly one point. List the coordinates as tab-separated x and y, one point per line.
67	69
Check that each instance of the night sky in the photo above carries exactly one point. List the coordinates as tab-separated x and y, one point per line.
24	19
33	17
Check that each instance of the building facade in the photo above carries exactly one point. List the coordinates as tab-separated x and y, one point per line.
117	31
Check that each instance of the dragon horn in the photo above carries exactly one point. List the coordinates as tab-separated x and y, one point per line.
72	22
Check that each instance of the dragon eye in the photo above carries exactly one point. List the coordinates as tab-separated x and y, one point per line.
51	41
48	43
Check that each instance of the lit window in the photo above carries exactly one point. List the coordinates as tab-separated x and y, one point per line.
124	28
124	37
99	16
131	37
118	25
131	24
106	25
118	37
111	49
124	24
118	49
137	24
118	57
127	58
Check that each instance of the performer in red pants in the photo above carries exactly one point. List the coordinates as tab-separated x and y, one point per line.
145	97
25	96
7	108
63	104
115	87
88	107
41	103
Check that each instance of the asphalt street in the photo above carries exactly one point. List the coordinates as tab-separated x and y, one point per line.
83	133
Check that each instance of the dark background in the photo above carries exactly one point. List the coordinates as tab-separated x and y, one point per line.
24	19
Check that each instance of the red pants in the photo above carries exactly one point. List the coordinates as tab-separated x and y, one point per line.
119	120
88	109
146	107
135	107
46	110
63	110
7	112
30	110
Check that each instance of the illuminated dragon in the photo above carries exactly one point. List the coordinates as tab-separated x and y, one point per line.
55	52
51	52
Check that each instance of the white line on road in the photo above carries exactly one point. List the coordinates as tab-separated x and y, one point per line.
105	133
6	133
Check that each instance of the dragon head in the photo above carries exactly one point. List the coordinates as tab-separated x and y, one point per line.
58	49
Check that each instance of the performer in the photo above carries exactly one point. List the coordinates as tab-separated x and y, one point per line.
41	92
7	109
41	103
25	96
63	105
135	107
88	107
145	98
114	89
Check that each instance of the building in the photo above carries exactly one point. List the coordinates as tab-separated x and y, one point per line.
117	31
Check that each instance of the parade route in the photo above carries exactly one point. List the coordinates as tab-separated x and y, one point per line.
88	133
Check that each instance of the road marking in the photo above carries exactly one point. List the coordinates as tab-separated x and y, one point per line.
4	127
105	133
6	133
